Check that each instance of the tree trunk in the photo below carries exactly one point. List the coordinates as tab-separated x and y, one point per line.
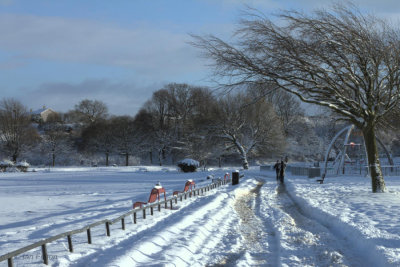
14	158
107	159
243	155
53	160
245	164
219	162
126	159
160	157
151	157
374	165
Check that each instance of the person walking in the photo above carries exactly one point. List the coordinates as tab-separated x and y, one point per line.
282	171
277	170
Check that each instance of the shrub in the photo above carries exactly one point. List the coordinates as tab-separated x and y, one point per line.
22	166
6	164
188	165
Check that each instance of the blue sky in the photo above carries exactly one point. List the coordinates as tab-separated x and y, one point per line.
58	52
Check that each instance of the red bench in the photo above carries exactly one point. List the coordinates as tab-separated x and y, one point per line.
154	195
227	177
189	185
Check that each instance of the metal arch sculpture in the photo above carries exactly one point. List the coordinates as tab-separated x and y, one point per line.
342	154
348	129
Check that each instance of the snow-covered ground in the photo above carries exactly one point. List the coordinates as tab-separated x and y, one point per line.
257	223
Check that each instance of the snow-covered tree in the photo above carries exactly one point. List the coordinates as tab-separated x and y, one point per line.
248	127
339	58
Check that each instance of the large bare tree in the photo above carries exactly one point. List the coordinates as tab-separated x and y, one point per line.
91	111
340	58
248	127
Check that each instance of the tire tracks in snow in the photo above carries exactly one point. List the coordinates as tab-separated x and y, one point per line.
258	243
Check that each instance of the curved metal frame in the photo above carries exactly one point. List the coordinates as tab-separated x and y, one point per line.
342	155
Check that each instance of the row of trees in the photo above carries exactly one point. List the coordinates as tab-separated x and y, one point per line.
178	121
188	121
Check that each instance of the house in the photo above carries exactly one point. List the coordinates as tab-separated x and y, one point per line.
42	115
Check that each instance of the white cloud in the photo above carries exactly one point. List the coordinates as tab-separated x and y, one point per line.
141	48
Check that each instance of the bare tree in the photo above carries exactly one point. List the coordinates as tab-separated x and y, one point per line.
99	137
178	113
248	128
56	141
91	111
341	59
16	132
288	110
163	135
286	105
126	137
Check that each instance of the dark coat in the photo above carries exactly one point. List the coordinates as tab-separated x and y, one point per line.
282	170
277	166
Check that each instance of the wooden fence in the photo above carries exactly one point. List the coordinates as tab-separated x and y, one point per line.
144	210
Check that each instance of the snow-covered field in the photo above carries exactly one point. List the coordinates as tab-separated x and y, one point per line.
258	223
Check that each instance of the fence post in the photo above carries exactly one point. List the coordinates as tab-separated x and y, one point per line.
10	262
159	207
123	223
171	203
108	228
70	247
144	213
134	217
89	236
151	211
44	255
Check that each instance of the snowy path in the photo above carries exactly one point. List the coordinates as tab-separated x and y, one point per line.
257	224
182	239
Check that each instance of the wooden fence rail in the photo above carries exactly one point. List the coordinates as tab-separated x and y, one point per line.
9	256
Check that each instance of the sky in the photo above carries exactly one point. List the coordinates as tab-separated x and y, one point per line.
55	53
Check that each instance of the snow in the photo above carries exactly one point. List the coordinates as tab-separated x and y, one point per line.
189	162
258	222
22	164
6	163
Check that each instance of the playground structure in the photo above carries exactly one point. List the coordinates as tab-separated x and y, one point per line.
349	151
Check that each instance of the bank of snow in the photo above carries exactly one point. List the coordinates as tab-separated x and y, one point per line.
338	223
369	221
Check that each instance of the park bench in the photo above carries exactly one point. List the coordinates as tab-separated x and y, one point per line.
189	185
227	177
154	195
